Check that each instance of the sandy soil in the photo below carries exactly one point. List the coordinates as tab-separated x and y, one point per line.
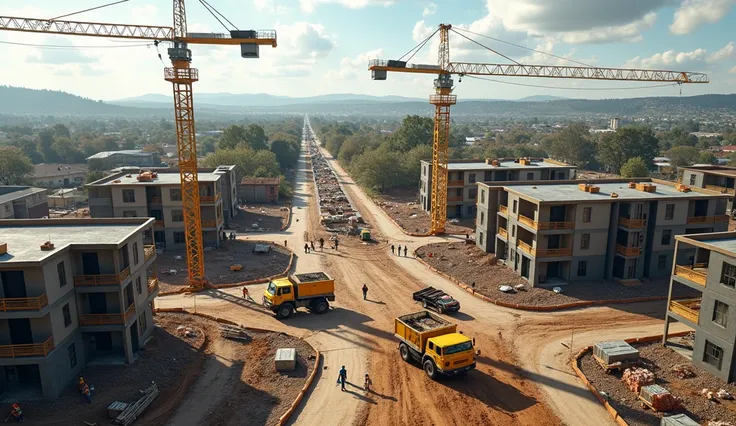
269	217
660	361
168	368
217	264
470	264
403	207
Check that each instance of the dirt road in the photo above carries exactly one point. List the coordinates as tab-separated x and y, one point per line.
523	374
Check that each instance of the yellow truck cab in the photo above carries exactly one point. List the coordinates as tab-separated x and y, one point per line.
313	290
434	343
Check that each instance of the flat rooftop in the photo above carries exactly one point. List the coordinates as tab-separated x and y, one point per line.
570	192
164	178
25	236
723	242
715	170
10	193
503	165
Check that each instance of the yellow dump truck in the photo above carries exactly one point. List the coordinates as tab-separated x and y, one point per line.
313	290
434	343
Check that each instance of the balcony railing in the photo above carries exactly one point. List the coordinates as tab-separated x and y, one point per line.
721	189
152	284
455	198
707	219
528	221
554	252
34	349
526	247
631	223
107	319
209	223
555	225
456	183
503	233
155	200
209	199
690	273
503	209
24	303
102	279
628	251
158	224
149	252
688	309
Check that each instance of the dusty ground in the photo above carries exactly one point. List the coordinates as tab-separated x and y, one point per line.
403	207
238	383
74	214
470	264
589	174
169	368
661	360
269	217
217	264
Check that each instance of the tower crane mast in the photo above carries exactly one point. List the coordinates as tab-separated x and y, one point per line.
182	77
443	98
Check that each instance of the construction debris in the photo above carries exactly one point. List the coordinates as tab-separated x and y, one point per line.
234	332
186	331
683	371
658	398
636	378
135	409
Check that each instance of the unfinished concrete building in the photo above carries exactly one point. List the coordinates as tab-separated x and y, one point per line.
23	202
716	178
84	296
125	194
463	175
706	265
551	233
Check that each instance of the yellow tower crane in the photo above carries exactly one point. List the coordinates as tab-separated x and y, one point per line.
182	76
443	97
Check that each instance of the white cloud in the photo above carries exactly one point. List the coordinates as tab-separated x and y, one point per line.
270	6
308	6
630	33
671	57
351	67
693	13
431	9
732	70
421	31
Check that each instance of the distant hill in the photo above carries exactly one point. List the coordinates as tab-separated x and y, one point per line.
262	99
541	98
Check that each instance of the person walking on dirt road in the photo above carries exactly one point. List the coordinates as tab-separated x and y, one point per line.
393	249
321	244
398	253
337	243
365	291
404	251
246	295
343	377
306	247
311	243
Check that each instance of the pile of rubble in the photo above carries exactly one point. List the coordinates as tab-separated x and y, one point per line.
337	214
636	378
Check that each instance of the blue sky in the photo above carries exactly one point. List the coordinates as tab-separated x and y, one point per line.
324	45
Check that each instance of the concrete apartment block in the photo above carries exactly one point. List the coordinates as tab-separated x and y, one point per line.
464	174
123	195
706	263
89	298
23	202
716	178
556	232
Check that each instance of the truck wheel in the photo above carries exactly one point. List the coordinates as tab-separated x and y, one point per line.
320	307
285	311
404	351
430	369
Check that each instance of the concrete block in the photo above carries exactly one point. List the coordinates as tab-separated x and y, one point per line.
285	359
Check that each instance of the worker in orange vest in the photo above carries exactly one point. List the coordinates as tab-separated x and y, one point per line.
17	413
80	384
87	393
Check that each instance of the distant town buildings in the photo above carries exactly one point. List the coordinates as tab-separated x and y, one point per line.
23	202
463	176
550	232
56	175
132	157
67	198
615	123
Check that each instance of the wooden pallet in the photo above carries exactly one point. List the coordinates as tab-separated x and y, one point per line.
619	366
234	332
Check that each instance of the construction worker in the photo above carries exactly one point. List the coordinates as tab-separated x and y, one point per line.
16	413
306	247
398	253
365	291
404	251
321	244
285	245
312	245
367	382
337	242
393	248
343	377
87	393
245	293
80	384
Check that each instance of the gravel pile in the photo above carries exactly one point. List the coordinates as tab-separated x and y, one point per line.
403	207
660	361
470	264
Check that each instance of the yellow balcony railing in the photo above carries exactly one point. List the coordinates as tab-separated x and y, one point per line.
158	224
503	209
209	223
721	189
503	233
152	284
107	319
628	251
209	199
455	183
528	221
690	273
34	349
555	225
707	219
631	223
554	252
102	279
526	247
24	303
149	252
454	198
688	309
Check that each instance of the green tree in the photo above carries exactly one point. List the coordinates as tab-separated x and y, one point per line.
248	163
94	175
634	167
231	137
256	138
45	145
681	156
706	157
352	146
67	151
15	167
411	164
285	153
377	169
628	142
62	131
572	145
414	130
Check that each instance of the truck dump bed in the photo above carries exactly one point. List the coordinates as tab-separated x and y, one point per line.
313	284
311	277
416	328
